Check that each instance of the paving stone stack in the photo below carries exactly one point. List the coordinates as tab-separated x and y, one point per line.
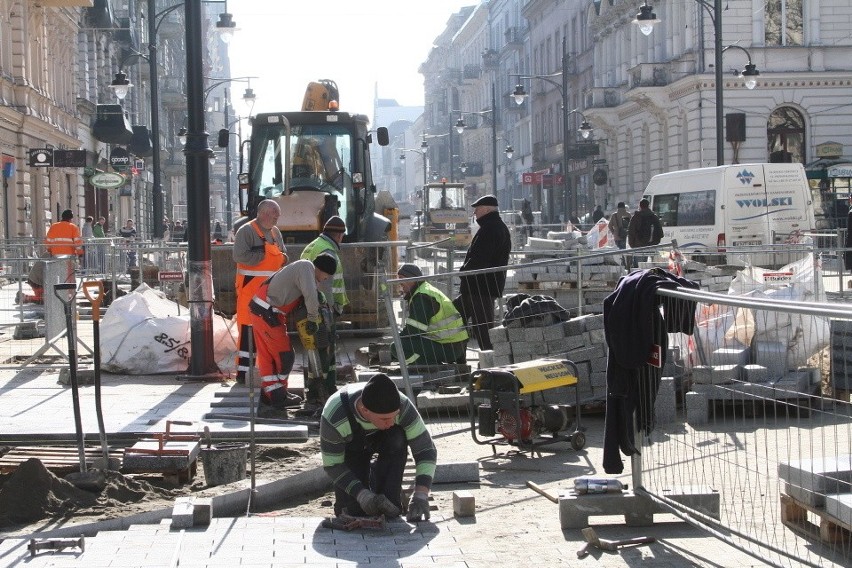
710	278
580	339
598	275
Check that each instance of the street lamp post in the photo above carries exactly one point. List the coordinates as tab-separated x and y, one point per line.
562	87
646	19
197	151
460	126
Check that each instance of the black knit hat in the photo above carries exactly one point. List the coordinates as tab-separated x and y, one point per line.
409	271
334	225
380	395
326	263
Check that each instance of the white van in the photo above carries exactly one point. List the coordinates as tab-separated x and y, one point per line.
741	205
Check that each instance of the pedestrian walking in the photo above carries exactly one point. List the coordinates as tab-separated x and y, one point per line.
619	221
128	233
489	248
363	420
644	229
87	233
597	214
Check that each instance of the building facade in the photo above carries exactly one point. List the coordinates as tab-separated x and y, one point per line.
651	100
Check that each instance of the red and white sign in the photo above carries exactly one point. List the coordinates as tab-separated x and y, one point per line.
539	178
171	276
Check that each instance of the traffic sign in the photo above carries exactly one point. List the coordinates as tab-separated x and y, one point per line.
107	180
41	157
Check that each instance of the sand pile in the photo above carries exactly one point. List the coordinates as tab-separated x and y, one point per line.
33	493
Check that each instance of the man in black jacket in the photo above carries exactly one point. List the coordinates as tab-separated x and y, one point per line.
490	248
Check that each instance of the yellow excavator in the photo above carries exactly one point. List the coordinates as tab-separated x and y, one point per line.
316	163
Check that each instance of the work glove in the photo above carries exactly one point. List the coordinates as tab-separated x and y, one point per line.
338	309
374	505
418	508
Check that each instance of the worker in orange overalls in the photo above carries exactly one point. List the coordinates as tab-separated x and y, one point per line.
64	238
275	300
259	252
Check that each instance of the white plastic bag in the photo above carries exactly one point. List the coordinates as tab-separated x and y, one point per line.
146	333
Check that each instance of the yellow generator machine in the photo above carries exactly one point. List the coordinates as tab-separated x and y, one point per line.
525	405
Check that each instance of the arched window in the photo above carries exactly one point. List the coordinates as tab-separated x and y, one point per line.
785	134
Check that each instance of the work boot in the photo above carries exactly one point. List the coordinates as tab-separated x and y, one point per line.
282	398
265	410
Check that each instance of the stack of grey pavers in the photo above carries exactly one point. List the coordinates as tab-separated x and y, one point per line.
824	484
580	340
740	374
572	283
715	279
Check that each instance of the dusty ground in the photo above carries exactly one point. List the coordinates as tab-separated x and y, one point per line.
34	495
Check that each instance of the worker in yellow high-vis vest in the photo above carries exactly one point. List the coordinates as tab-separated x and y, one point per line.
334	294
433	331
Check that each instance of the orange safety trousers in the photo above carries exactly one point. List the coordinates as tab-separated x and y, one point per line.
274	353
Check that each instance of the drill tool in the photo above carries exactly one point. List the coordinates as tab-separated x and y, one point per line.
593	540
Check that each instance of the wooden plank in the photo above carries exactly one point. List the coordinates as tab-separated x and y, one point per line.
830	530
54	458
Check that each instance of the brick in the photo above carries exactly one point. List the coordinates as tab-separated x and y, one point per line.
464	504
595	336
665	407
202	511
810	480
553	332
503	360
755	373
183	513
723	374
772	355
502	349
697	410
516	334
702	374
457	472
498	334
729	356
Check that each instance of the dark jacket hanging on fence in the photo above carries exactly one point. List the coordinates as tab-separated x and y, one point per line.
633	324
523	310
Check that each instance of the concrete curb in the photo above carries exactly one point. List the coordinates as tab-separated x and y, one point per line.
232	504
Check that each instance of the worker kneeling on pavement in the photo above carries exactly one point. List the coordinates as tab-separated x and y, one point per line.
274	301
374	418
434	330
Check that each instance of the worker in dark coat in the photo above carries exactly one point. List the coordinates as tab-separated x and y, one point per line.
489	248
637	337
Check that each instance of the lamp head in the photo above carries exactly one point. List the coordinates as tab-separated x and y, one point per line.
121	85
509	151
519	95
646	19
460	125
463	167
182	136
585	130
226	27
249	96
749	75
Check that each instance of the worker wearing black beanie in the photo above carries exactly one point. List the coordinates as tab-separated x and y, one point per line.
380	395
374	419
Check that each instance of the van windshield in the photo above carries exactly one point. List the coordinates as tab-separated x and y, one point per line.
686	209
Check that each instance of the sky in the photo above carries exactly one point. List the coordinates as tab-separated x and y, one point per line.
357	44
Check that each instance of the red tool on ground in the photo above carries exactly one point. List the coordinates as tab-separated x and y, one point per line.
349	523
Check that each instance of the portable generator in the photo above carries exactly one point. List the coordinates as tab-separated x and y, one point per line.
509	405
